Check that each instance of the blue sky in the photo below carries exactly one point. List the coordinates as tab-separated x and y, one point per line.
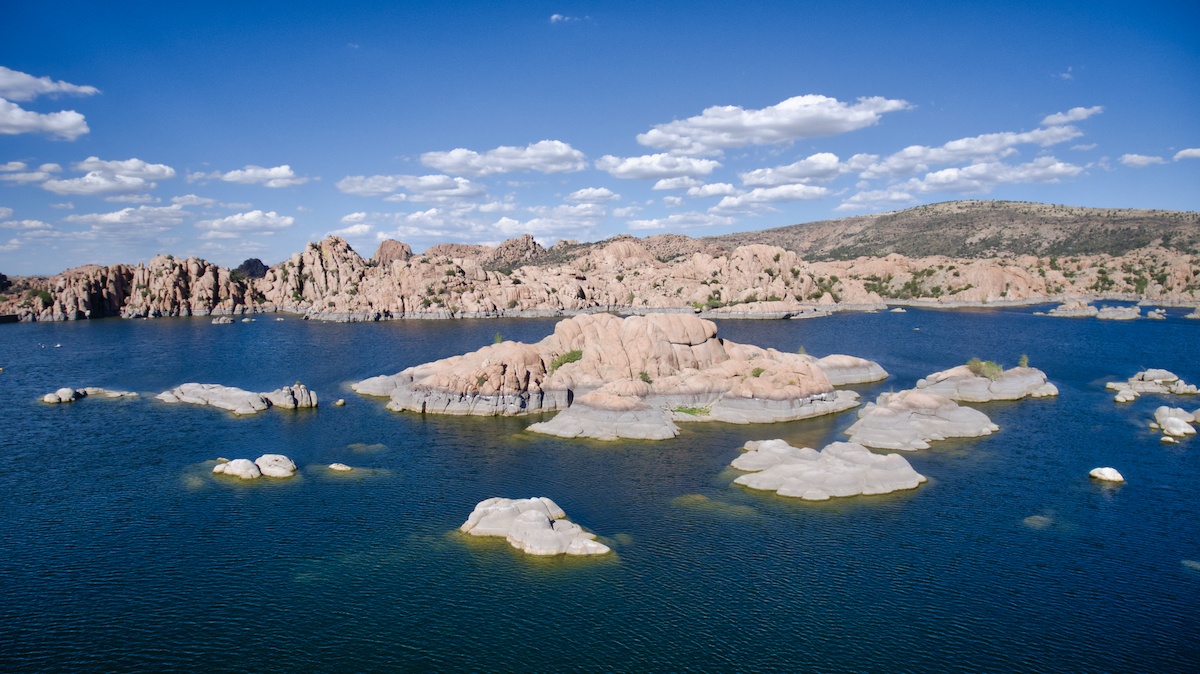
229	131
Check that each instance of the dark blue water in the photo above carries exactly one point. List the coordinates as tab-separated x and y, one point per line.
119	551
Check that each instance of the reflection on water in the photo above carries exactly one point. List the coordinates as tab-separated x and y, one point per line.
121	550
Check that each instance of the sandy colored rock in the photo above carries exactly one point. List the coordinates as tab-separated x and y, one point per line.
1119	313
340	467
243	468
536	526
292	397
275	465
237	400
1074	309
844	370
1153	380
841	469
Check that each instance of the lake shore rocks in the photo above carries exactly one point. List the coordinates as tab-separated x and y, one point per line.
535	526
841	469
1119	313
70	395
1153	380
620	377
909	420
1074	309
963	385
1173	421
239	401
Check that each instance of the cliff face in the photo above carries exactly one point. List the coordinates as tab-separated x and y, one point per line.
329	280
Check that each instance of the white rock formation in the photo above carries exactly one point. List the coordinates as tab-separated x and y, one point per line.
67	395
1174	421
223	320
910	420
536	526
1157	314
62	395
238	401
843	370
841	469
1107	474
1074	309
340	467
1119	313
243	468
959	383
1195	314
275	465
1151	381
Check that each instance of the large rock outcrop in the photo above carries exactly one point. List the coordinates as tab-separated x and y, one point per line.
619	376
239	401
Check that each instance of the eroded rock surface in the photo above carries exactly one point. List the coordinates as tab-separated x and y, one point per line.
963	385
69	395
239	401
267	465
1106	474
910	420
536	526
841	469
1153	380
1074	309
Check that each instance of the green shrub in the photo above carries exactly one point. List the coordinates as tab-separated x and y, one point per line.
497	338
985	368
694	411
1024	361
645	377
757	372
801	350
568	357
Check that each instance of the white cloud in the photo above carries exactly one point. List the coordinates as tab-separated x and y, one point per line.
683	182
712	190
875	198
66	206
5	212
1140	160
361	229
759	196
278	176
654	166
133	199
820	167
1072	115
681	221
133	221
193	200
917	158
593	195
19	86
546	156
562	18
626	211
1084	147
21	224
111	177
981	177
729	126
130	168
14	166
430	188
253	222
1189	153
17	172
672	202
64	124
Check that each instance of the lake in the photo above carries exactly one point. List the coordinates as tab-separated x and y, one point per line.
120	551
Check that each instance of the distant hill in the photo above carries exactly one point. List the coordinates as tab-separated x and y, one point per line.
981	229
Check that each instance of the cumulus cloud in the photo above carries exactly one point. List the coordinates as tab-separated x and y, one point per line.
1140	160
982	176
430	188
712	190
18	172
1190	153
655	166
728	126
756	198
593	195
278	176
820	167
64	124
681	221
1072	115
133	199
626	211
21	224
360	229
5	212
132	221
238	224
111	177
546	156
917	158
193	200
681	183
19	86
874	199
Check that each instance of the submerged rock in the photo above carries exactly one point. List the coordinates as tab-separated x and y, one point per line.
910	420
841	469
536	526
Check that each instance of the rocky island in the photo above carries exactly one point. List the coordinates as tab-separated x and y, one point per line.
630	377
535	526
841	469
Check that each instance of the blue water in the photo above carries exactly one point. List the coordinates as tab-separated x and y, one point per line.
119	551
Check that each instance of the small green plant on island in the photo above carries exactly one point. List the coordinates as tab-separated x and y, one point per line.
985	368
801	350
694	411
498	338
757	372
645	377
568	357
480	380
1024	361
